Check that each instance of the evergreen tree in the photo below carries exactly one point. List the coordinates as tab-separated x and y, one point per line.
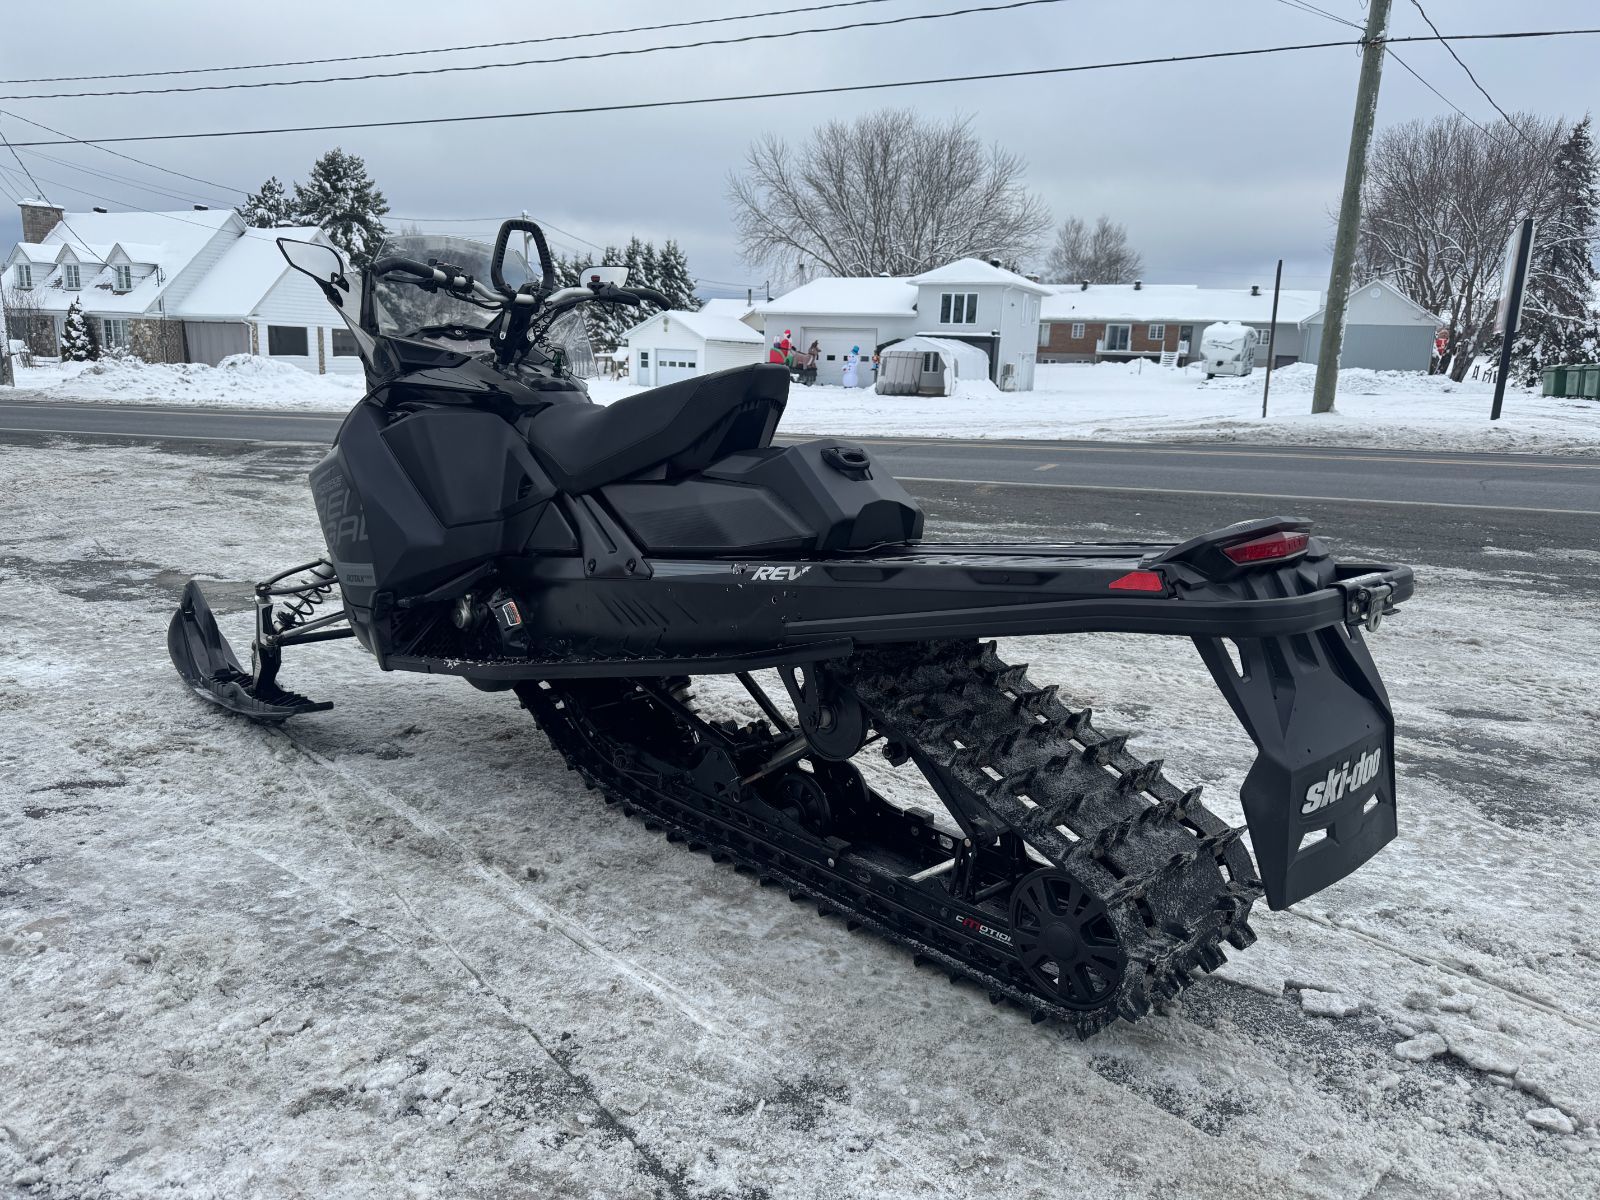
673	279
270	207
1560	322
78	340
341	197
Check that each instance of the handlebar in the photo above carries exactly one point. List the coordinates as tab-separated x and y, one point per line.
546	264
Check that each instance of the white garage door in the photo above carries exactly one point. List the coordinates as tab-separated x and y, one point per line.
834	344
673	365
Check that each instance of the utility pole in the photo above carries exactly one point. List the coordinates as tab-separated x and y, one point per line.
7	379
1344	242
1272	338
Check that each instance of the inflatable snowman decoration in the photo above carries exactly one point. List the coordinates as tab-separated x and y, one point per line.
852	370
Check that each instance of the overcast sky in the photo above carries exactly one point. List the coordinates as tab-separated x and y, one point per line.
1217	168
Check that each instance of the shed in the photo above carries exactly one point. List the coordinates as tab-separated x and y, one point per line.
928	366
678	344
1384	330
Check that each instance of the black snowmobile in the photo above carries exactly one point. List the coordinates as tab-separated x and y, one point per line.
485	519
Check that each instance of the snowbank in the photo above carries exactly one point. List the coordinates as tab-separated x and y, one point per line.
1110	402
1141	401
241	380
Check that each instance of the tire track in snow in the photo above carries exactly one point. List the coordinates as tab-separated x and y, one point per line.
651	1162
574	931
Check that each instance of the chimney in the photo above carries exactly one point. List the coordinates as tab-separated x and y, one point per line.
1255	289
98	209
39	217
1083	285
1138	285
994	262
200	208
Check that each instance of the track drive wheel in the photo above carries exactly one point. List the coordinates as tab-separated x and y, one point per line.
1065	940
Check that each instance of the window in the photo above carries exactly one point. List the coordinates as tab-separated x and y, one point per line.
287	339
344	344
1077	331
1044	333
70	278
644	360
124	280
958	308
1117	337
114	333
25	275
930	362
1158	333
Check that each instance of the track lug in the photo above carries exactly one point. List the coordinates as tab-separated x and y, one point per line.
1241	936
995	998
1037	1017
852	925
824	911
798	897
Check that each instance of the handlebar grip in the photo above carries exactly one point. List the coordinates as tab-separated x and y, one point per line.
653	296
546	264
387	266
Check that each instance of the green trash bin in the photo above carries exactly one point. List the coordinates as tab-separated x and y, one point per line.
1589	386
1555	381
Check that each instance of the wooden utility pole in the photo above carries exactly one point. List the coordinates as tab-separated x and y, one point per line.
1344	242
1272	336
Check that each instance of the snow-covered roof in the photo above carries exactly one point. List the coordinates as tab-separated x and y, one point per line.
34	252
245	273
1174	302
833	296
972	271
708	328
167	241
737	309
975	362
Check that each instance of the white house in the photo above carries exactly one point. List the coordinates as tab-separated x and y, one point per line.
188	286
1384	330
985	306
969	301
676	345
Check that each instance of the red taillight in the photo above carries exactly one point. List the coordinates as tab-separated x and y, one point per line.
1265	549
1138	581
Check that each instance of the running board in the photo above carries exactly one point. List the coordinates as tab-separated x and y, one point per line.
572	667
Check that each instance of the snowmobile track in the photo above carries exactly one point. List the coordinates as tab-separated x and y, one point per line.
1173	878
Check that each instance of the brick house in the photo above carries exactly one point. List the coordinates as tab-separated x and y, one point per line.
1116	322
190	286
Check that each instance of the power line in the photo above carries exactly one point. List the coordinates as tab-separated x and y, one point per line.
128	204
796	92
1417	4
1312	9
38	191
564	37
119	154
533	62
128	180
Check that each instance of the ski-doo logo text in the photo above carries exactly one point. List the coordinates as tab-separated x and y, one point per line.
777	574
1342	780
978	926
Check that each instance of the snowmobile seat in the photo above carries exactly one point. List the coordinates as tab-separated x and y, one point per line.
680	428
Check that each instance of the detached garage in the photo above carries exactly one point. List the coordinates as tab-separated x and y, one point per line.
678	345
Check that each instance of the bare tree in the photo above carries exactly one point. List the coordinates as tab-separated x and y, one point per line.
27	322
888	193
1100	255
1440	199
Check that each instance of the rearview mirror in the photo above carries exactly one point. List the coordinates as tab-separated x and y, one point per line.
600	276
322	263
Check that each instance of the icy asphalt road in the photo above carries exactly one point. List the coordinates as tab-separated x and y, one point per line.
396	950
1400	478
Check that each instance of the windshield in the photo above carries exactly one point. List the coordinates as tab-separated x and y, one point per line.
403	309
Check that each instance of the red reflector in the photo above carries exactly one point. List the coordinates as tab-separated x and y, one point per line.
1138	581
1264	549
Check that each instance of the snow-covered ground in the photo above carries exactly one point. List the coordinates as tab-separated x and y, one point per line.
241	381
1118	402
396	950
